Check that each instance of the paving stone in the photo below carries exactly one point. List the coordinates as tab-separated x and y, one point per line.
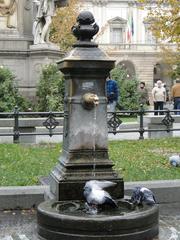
7	238
21	225
16	237
23	237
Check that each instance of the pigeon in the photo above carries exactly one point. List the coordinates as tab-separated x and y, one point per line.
142	195
175	160
95	195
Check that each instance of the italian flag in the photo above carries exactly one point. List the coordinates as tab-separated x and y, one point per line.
130	27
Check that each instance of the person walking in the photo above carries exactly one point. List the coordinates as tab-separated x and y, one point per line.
143	94
175	96
159	97
112	94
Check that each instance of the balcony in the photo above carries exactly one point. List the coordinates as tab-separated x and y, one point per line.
134	47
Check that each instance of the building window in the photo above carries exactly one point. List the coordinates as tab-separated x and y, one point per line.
117	30
116	35
149	38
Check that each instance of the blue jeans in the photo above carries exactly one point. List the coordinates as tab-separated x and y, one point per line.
177	105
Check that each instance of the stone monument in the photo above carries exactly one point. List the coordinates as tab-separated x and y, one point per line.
24	47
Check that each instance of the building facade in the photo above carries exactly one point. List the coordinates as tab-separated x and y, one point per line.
124	34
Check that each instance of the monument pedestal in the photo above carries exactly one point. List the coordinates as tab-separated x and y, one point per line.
39	56
26	61
44	47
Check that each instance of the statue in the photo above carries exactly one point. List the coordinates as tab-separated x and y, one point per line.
44	11
7	9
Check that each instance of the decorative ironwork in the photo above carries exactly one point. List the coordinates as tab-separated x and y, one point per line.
50	123
16	125
114	122
168	120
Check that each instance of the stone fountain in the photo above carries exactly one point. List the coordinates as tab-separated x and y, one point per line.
85	154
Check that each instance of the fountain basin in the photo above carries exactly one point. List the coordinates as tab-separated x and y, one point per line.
68	220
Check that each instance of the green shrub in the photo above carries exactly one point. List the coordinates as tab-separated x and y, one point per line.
9	95
129	97
176	72
50	91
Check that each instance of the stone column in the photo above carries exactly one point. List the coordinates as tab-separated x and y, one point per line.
85	146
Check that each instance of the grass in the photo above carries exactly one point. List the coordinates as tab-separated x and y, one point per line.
128	119
22	164
135	160
145	160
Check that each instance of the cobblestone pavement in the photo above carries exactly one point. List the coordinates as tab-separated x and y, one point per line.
18	225
21	225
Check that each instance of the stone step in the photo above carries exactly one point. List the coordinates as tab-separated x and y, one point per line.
16	237
23	237
7	238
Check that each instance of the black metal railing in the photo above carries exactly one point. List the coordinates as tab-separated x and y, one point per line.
50	120
168	118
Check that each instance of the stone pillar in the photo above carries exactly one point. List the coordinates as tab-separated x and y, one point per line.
85	146
155	123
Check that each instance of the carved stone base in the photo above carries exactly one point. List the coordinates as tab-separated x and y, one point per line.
68	178
70	190
47	46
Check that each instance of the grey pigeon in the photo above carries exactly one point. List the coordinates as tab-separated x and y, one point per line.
142	195
175	160
95	195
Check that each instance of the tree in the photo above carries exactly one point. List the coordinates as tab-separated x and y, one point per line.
164	19
50	91
64	19
9	95
129	97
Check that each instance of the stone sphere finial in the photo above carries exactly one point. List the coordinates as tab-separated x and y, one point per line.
85	28
85	17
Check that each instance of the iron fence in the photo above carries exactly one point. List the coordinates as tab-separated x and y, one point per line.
114	121
168	118
50	123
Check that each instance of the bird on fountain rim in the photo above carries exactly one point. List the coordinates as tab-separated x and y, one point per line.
142	195
96	195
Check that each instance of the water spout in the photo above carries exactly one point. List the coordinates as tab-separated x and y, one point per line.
90	100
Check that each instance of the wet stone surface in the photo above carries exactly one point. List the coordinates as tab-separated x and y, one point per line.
21	225
18	225
169	228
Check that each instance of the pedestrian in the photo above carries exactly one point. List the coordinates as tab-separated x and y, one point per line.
159	97
167	92
175	96
143	94
112	94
